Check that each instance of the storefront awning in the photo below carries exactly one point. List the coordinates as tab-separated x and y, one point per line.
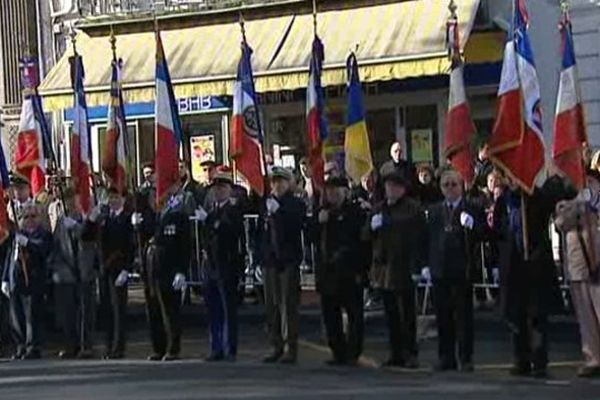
395	41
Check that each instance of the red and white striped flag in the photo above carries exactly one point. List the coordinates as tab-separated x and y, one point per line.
569	125
81	146
460	130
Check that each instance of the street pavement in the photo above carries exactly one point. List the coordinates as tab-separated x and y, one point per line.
248	378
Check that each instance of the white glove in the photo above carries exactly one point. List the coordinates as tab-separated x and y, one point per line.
496	275
376	222
122	278
323	216
466	220
179	282
272	206
70	223
200	214
426	274
136	219
21	239
5	289
94	214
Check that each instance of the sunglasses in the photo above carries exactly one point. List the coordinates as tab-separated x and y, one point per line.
450	184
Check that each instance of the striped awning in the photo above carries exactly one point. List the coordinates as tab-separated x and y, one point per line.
395	41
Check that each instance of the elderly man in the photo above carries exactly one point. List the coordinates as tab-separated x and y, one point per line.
24	281
73	265
341	270
282	247
223	234
399	232
454	226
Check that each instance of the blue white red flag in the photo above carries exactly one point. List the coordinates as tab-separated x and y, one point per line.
81	146
247	136
518	147
33	141
315	115
169	135
114	155
569	124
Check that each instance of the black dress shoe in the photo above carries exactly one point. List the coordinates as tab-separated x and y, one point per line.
539	373
588	372
445	366
467	367
215	357
273	357
32	355
170	357
155	357
115	356
67	354
393	362
288	358
520	370
335	362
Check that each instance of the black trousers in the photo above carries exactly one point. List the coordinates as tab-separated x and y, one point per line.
346	346
113	301
401	316
454	317
76	306
26	314
163	310
530	340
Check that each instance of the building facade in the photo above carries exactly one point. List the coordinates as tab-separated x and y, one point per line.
402	59
18	35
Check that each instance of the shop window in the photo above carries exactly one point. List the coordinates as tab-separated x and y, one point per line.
381	125
422	138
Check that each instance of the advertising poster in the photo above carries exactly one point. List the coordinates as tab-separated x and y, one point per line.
203	149
421	145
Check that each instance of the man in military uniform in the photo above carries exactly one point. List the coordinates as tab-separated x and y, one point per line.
399	233
223	232
167	259
283	222
340	271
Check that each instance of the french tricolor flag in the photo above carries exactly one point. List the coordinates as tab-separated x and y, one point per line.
169	134
516	144
569	124
460	130
33	139
316	123
246	131
81	146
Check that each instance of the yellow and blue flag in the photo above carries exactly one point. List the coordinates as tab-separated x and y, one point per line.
359	161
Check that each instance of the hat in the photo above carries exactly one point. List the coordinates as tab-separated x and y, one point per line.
337	182
395	177
280	172
594	174
223	175
208	163
17	180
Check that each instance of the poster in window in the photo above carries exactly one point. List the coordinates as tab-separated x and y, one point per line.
421	145
203	149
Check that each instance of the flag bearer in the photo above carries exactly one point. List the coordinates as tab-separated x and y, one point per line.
167	259
223	232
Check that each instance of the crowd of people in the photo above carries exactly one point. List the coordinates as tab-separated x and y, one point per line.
400	226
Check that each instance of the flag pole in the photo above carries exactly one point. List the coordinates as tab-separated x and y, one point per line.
242	23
